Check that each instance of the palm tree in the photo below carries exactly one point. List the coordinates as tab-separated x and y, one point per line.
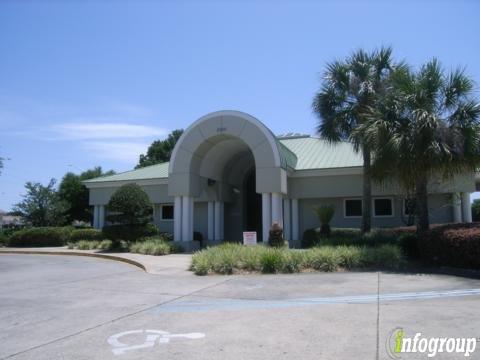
428	125
351	91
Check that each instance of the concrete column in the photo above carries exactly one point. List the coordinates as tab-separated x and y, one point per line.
177	219
211	220
266	215
286	220
277	211
217	221
186	213
95	217
457	208
222	220
192	207
466	208
295	219
101	216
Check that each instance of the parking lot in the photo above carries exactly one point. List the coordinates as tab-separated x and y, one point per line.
67	307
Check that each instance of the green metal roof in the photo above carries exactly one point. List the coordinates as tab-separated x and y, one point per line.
314	153
288	159
158	171
297	153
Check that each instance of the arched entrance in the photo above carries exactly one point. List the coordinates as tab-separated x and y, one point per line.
209	164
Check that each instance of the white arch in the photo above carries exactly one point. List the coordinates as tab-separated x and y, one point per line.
210	131
223	113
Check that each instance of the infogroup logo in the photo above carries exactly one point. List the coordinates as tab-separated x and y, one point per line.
398	344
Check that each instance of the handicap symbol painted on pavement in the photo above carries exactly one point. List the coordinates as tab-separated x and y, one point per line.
151	338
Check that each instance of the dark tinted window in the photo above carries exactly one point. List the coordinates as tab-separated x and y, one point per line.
353	207
167	212
383	207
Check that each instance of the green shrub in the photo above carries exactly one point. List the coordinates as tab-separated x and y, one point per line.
3	239
409	244
86	234
129	205
271	260
325	215
384	256
168	236
293	261
106	245
323	258
346	233
40	236
129	232
229	258
154	246
200	264
350	256
309	239
83	244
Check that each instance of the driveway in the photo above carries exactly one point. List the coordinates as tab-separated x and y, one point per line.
67	307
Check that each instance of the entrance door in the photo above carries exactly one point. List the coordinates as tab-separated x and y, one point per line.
252	209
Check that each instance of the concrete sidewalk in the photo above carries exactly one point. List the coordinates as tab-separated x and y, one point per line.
176	264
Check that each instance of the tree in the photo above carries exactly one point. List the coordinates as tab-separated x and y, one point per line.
476	210
129	205
41	205
351	90
428	126
160	150
74	194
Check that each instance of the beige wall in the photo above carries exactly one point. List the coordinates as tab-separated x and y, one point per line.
440	211
351	185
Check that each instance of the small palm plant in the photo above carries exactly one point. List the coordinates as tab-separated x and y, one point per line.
325	214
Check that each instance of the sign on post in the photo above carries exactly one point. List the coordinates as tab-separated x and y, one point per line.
249	238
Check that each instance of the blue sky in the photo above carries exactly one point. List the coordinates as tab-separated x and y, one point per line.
93	83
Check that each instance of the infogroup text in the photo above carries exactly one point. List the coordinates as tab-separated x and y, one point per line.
398	344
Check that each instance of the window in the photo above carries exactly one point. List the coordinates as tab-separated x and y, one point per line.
353	207
167	212
383	207
409	207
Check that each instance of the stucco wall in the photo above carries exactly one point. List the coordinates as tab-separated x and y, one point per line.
156	194
351	185
440	211
163	225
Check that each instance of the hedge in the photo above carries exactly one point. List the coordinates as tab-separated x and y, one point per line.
40	236
86	234
129	232
155	246
340	236
455	245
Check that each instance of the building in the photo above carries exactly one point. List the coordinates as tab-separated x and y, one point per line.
10	221
228	173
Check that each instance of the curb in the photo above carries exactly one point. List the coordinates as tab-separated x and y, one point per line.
72	253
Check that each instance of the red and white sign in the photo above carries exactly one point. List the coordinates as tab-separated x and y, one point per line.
249	238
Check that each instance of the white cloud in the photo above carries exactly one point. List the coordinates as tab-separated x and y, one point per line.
125	151
104	130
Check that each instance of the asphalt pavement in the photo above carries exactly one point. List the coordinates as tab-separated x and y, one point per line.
67	307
